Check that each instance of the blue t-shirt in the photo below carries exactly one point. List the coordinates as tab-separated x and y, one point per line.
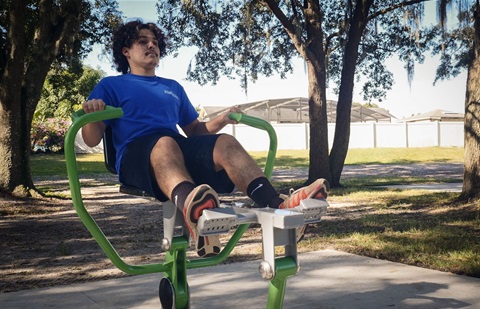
149	103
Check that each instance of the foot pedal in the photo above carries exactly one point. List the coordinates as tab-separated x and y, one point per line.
216	221
313	209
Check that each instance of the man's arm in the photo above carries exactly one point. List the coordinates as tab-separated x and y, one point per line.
92	133
212	126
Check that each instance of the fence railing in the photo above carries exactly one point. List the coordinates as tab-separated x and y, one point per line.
362	135
294	136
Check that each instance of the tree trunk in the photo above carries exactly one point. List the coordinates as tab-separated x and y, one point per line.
341	140
22	81
319	164
471	176
14	157
314	55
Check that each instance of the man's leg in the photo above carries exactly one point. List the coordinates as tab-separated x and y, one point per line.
243	170
174	180
247	176
168	165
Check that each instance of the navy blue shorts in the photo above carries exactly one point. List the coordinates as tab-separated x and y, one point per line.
136	171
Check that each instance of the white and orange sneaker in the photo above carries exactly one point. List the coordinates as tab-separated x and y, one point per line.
316	190
202	197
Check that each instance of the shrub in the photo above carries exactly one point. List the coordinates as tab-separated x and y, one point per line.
49	135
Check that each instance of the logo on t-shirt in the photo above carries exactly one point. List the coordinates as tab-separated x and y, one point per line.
172	94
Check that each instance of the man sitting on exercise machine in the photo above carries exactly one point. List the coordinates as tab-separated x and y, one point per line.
153	156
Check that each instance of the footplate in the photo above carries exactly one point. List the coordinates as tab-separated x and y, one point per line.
220	220
312	209
278	229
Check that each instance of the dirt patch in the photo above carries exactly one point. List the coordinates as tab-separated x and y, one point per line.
43	242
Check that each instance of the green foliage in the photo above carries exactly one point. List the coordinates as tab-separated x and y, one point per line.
49	135
454	47
233	38
64	91
95	22
245	38
453	41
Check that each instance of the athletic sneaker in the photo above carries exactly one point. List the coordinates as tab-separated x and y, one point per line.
316	190
202	197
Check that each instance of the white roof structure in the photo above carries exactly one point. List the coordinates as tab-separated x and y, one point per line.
295	110
436	115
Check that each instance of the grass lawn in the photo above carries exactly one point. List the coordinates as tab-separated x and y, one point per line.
54	164
415	227
300	158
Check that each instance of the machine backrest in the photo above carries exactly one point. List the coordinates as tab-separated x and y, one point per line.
109	152
110	157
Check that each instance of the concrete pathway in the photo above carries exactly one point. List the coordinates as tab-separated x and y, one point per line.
440	187
328	279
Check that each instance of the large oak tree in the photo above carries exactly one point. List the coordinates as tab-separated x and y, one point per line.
33	34
458	45
471	178
338	40
460	49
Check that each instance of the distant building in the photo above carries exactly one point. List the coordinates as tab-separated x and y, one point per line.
436	115
295	110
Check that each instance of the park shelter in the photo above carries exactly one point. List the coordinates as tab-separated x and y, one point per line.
436	115
295	110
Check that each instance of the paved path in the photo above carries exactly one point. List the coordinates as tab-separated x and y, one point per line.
328	279
440	187
431	170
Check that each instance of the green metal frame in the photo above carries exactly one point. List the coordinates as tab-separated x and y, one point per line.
176	263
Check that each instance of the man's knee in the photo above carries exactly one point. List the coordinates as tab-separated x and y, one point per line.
228	142
165	146
228	149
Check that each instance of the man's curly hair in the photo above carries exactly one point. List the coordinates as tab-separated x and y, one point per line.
127	34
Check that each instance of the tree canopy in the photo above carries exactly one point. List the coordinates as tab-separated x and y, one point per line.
340	41
454	43
65	90
34	34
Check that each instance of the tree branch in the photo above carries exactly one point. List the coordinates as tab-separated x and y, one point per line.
394	7
287	24
329	39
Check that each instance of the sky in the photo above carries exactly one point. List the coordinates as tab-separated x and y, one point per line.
403	100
